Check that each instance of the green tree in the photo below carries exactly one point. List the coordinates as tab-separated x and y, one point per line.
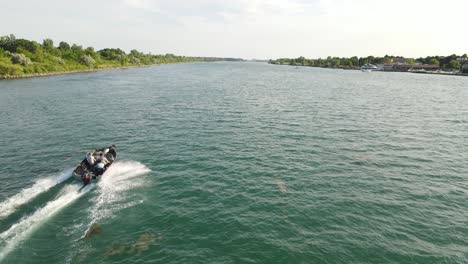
123	59
371	59
7	39
90	52
63	45
434	61
453	65
48	44
300	60
77	48
136	53
111	54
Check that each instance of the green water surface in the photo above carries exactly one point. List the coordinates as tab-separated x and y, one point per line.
236	163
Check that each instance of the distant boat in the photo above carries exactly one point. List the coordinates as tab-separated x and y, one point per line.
369	67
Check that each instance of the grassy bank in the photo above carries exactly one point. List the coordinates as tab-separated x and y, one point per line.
45	74
26	58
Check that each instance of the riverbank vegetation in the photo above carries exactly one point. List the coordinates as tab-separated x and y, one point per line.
20	57
445	62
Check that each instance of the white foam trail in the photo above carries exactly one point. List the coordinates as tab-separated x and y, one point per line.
113	196
40	186
121	174
26	226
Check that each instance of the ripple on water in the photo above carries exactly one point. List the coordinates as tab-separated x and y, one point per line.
249	163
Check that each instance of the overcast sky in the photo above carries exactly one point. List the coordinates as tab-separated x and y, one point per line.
247	28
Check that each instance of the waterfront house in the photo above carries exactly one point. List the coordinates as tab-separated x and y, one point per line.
399	60
388	67
415	67
465	67
464	64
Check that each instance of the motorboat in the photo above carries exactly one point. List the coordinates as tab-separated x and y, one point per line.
369	67
95	164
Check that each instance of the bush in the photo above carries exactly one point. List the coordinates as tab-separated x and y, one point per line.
19	58
59	60
29	69
10	69
134	60
87	60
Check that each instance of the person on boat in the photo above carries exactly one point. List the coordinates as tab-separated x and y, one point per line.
100	166
103	158
90	158
99	169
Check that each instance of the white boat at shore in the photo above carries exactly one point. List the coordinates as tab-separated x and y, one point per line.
369	67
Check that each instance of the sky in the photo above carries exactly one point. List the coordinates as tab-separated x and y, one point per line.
260	29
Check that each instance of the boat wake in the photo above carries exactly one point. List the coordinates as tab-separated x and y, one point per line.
26	226
111	197
112	189
26	195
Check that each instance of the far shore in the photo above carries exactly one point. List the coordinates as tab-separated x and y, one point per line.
10	77
442	73
358	69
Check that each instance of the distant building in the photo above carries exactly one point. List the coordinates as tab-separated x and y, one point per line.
399	60
388	67
415	67
464	63
465	67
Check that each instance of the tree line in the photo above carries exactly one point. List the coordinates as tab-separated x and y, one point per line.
22	57
445	62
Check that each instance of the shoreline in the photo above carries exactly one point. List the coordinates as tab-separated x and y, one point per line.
34	75
46	74
358	69
442	73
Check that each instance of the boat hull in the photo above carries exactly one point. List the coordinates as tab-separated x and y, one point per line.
84	168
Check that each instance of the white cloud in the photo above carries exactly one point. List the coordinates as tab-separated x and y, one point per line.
249	28
142	4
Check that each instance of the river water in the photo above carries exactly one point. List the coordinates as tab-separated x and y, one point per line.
236	163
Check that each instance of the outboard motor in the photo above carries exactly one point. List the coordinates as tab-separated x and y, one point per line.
86	179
